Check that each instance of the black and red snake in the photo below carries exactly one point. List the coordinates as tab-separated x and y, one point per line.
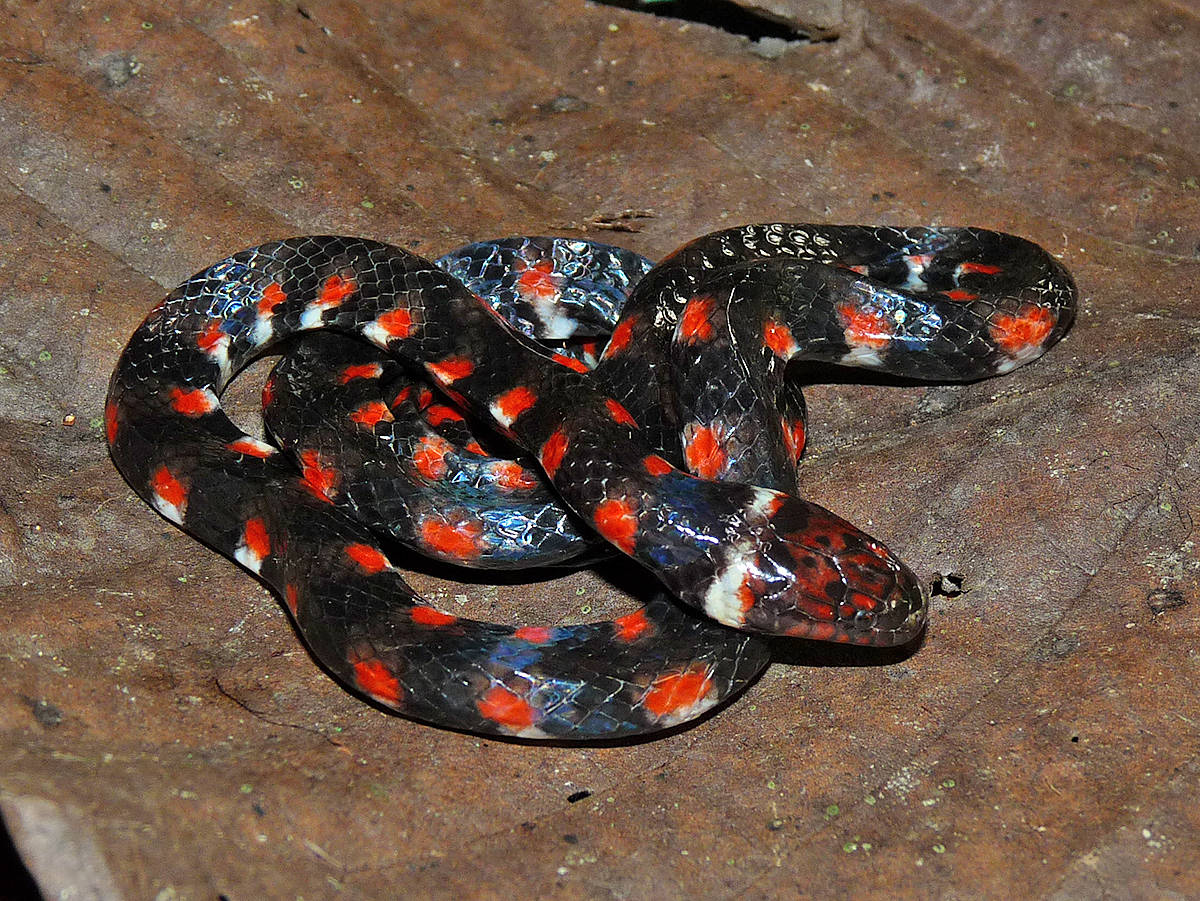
678	449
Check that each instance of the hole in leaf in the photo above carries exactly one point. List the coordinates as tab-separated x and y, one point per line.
723	14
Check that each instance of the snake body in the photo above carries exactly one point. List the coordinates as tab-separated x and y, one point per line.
678	449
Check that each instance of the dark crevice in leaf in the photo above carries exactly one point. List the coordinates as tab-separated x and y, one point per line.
726	16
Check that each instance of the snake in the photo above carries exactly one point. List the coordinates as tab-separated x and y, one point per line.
602	406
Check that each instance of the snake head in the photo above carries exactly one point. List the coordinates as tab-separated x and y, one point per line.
796	569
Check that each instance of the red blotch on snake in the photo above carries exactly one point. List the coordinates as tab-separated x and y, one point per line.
864	328
505	707
370	560
371	414
451	368
553	451
272	297
704	454
430	456
461	540
429	616
696	323
656	465
374	679
538	281
512	403
335	290
678	691
1026	330
192	401
620	414
616	520
632	626
319	479
168	488
621	335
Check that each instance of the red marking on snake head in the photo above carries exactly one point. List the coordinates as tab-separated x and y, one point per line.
430	456
656	465
319	479
1027	330
110	421
460	540
272	296
450	369
632	626
859	601
474	447
424	398
674	692
824	631
616	520
369	559
429	616
335	290
360	371
620	338
553	452
569	362
371	414
864	328
538	281
192	401
702	450
695	324
376	680
401	396
779	339
620	414
534	634
506	708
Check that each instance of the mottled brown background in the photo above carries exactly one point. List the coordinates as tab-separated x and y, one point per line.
165	735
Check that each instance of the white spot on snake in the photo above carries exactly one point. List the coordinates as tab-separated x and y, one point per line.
248	558
764	502
722	600
530	732
248	444
690	712
377	334
862	356
1020	358
262	331
313	316
167	509
556	320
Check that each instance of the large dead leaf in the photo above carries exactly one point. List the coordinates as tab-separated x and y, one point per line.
167	736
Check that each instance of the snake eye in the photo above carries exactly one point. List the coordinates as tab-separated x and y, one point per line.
864	620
